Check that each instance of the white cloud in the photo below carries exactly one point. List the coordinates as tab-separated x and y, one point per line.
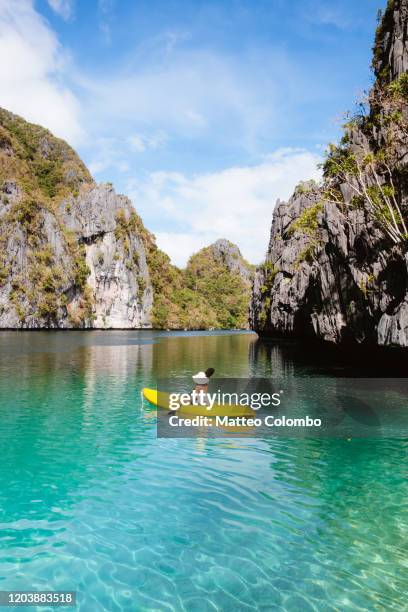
32	83
235	203
137	143
110	156
141	143
196	94
105	8
64	8
110	153
208	104
179	246
319	12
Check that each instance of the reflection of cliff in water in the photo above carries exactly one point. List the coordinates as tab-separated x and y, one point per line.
74	406
179	355
351	402
296	358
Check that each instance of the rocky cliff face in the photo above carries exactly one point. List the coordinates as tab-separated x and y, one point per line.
115	254
72	252
228	254
391	42
336	265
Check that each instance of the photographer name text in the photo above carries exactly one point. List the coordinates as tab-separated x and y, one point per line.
242	421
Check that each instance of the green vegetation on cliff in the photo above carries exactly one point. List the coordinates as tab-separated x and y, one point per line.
37	171
223	280
207	294
213	291
47	222
341	246
44	166
370	159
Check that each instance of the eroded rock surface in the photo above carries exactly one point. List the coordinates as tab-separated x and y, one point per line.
333	271
72	253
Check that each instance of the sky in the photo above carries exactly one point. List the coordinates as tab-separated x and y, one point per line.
203	112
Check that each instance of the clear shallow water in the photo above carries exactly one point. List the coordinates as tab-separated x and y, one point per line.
91	501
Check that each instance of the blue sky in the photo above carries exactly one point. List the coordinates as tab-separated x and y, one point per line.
203	112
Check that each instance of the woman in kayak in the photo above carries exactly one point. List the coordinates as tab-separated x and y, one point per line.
200	391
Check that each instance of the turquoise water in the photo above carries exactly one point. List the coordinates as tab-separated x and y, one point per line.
91	501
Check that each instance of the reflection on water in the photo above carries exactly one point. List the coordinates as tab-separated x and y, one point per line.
91	501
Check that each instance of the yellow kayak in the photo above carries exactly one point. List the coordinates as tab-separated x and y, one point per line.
161	400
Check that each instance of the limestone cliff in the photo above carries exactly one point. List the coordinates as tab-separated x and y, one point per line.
72	253
336	265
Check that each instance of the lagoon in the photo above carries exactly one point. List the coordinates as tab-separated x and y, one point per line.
92	501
